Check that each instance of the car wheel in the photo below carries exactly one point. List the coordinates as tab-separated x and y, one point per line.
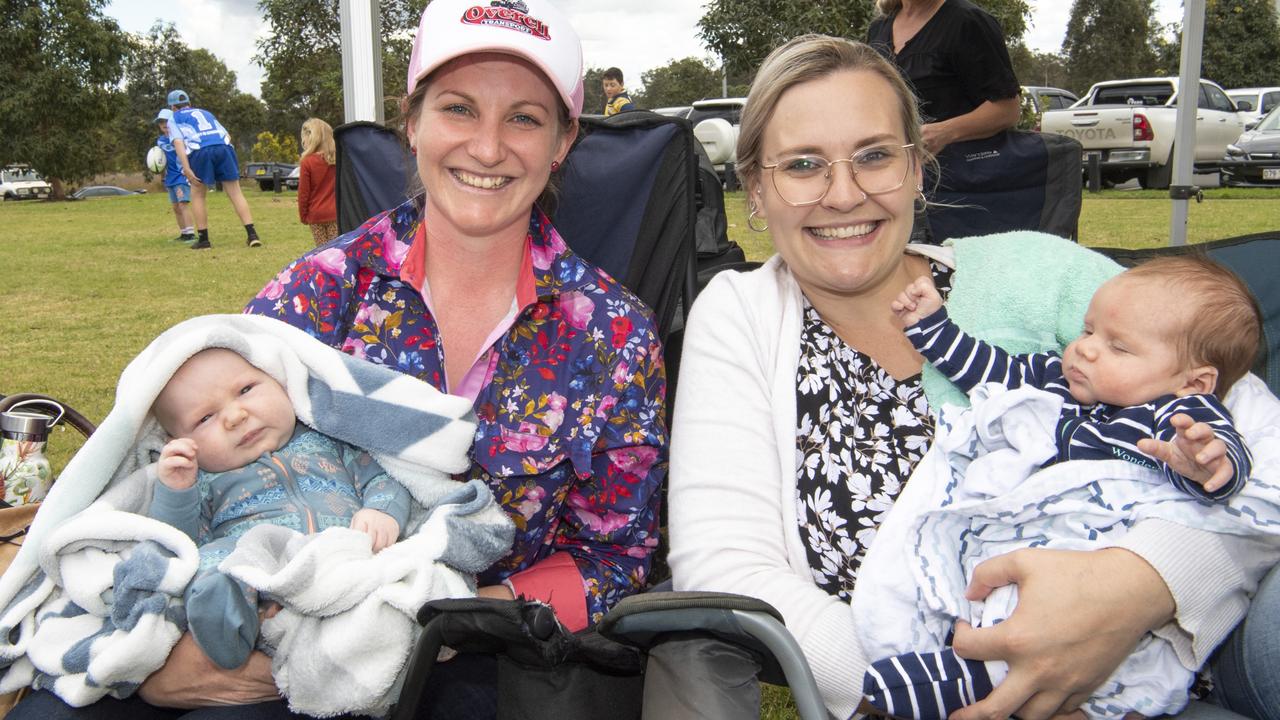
1158	178
264	185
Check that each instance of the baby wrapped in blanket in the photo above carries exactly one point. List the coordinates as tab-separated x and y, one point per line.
1137	394
94	602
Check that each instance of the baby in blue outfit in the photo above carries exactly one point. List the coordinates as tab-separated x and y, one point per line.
238	458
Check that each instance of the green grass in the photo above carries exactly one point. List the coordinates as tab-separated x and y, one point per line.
87	285
1111	218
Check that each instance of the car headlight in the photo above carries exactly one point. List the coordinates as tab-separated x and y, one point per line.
1234	150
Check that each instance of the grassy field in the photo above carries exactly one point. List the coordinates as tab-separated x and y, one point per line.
87	285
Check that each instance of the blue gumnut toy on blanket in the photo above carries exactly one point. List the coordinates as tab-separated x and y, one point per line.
92	604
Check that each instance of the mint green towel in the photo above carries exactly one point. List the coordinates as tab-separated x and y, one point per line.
1023	291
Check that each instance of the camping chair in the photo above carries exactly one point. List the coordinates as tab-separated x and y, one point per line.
1030	181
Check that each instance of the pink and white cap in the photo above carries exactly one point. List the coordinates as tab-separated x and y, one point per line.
534	30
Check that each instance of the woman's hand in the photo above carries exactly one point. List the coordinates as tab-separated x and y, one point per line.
1079	615
189	679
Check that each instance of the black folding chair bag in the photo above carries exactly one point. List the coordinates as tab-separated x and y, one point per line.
373	170
1014	181
627	204
1256	259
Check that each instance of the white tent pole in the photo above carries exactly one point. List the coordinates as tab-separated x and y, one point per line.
1184	143
361	60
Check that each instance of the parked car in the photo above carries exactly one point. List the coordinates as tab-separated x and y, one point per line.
20	182
715	124
1043	98
294	178
94	191
264	172
1253	103
680	111
1130	125
1254	159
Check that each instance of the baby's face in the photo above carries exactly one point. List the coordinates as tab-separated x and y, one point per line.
232	410
1127	353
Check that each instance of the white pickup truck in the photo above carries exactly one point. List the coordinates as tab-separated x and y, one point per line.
20	182
1129	124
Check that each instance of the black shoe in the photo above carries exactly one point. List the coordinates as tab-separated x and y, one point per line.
253	241
185	238
201	245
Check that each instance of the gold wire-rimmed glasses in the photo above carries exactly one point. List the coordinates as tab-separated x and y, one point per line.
802	180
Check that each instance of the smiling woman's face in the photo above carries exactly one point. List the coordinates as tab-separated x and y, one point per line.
486	134
849	242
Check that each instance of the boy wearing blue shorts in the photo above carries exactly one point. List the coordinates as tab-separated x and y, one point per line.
174	181
207	157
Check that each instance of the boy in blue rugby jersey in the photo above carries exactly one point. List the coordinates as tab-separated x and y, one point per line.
207	157
174	181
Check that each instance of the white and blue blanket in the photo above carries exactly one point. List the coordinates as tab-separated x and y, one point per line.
979	493
92	603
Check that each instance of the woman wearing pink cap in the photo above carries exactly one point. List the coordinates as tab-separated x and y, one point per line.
469	287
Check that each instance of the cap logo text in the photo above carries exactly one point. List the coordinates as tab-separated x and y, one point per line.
510	14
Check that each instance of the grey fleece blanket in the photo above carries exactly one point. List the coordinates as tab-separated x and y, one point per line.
92	603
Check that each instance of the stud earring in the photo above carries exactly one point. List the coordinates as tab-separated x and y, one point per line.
555	165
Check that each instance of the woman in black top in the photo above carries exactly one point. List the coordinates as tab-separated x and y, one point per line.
953	54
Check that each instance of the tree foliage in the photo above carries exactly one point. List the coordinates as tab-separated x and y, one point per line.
680	82
1038	68
592	91
1241	43
743	32
1109	39
58	86
275	148
303	59
160	61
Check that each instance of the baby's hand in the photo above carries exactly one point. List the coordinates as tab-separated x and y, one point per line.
1195	453
917	302
177	467
380	526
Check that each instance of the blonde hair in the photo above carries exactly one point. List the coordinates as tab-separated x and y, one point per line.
317	137
811	57
888	7
1224	323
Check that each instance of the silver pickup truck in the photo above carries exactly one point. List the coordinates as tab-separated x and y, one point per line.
1130	124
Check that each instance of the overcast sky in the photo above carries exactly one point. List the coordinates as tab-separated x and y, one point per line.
635	35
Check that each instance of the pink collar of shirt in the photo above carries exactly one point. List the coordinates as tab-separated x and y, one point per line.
414	272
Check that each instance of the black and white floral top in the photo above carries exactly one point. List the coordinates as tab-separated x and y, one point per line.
859	435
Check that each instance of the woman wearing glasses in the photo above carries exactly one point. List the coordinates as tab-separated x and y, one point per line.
802	410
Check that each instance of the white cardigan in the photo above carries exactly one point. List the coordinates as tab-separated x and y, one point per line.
732	498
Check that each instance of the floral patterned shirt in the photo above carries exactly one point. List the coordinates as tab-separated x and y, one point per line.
860	434
571	433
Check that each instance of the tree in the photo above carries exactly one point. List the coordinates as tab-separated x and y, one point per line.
592	91
273	148
303	59
58	95
1108	39
680	82
160	61
743	32
1241	43
1038	68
